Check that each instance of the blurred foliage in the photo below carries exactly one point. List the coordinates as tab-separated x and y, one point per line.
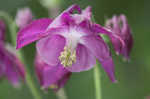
133	77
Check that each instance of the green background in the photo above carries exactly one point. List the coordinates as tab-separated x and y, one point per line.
133	77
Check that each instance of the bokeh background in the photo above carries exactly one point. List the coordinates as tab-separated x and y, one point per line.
133	77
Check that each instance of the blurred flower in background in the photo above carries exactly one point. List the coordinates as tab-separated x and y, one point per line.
23	17
120	26
10	65
2	31
53	6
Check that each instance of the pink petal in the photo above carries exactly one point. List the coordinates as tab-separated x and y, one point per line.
101	51
49	75
116	40
2	30
84	61
73	8
49	48
87	13
14	68
55	75
32	32
11	73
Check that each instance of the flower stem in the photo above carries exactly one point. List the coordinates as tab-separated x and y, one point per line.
13	32
28	78
61	94
97	82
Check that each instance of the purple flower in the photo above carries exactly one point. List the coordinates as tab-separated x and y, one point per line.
2	30
53	77
24	16
70	39
119	26
10	65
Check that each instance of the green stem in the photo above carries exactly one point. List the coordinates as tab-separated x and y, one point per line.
97	80
61	94
29	80
13	31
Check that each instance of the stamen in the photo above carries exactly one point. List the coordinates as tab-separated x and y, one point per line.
53	86
67	57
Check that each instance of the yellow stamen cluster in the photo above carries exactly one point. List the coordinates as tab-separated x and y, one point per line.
53	86
67	57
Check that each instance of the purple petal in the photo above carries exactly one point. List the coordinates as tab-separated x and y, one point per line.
14	68
127	36
108	66
19	67
49	48
10	66
2	58
60	83
51	75
84	61
2	30
85	27
2	69
116	40
73	8
55	75
11	73
87	13
39	66
115	26
101	51
32	32
65	18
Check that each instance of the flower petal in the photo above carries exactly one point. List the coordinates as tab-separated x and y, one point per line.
101	51
32	32
116	40
11	73
55	75
127	37
73	8
87	13
2	58
65	17
49	48
14	68
2	30
51	75
84	61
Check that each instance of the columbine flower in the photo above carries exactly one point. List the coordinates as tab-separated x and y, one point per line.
10	65
24	16
53	77
2	30
70	39
119	26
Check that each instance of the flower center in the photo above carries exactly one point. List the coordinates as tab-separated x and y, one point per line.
53	86
67	57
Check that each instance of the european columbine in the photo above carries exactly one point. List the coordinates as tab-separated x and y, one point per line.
2	30
24	16
119	26
71	40
53	77
10	65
